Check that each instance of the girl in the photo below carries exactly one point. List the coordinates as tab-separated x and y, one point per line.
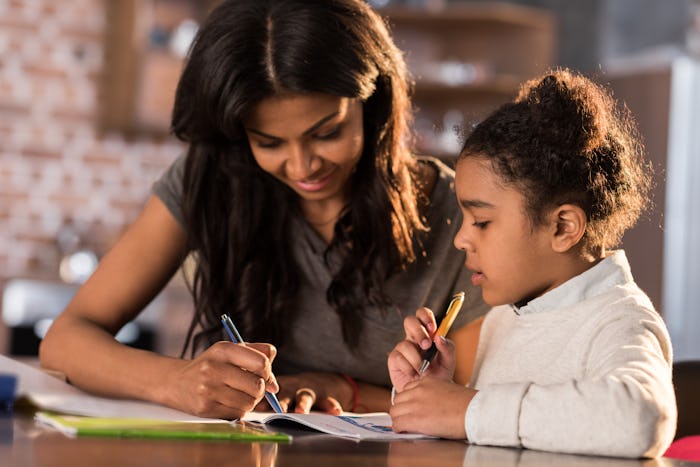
575	358
311	223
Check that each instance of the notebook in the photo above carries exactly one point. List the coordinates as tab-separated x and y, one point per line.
76	425
371	426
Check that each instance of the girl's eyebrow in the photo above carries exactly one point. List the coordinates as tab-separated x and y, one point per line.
311	129
475	203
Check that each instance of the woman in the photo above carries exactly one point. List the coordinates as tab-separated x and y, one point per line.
312	224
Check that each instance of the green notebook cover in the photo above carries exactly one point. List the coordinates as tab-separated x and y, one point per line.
143	428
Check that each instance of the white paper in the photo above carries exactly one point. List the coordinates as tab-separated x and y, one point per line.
372	426
50	393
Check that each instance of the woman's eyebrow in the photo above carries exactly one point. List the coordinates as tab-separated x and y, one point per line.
311	129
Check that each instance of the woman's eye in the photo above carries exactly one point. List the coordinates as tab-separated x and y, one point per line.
329	134
481	225
268	144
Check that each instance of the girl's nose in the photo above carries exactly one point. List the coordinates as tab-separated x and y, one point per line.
462	241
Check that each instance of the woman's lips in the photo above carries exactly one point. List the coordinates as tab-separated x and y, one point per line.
477	278
315	184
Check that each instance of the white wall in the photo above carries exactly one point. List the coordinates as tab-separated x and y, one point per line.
682	212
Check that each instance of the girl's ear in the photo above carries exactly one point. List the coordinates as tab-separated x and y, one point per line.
570	227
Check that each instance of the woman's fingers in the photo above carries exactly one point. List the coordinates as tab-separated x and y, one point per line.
250	357
305	399
329	405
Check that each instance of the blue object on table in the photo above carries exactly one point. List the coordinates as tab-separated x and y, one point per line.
236	338
8	386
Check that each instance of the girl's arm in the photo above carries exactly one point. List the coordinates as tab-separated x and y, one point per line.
620	403
223	382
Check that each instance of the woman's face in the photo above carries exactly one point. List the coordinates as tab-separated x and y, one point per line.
309	142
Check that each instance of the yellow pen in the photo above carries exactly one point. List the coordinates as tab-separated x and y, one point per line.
452	310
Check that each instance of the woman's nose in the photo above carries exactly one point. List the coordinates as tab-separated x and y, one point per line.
301	162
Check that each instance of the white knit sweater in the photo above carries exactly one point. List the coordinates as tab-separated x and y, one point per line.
585	368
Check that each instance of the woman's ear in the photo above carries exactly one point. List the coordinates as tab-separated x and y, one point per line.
570	223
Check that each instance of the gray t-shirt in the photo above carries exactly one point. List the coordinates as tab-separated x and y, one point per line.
315	341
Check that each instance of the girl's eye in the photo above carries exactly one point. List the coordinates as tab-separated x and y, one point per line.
481	225
333	133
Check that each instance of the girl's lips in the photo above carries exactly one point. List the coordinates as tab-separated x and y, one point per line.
315	185
477	278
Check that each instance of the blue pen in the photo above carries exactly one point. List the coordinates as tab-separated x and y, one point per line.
236	338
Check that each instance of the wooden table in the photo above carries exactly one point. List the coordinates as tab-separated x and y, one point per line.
25	444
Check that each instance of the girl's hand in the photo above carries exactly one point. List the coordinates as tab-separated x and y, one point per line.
225	381
432	406
303	392
406	358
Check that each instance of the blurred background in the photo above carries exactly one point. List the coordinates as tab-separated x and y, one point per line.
86	91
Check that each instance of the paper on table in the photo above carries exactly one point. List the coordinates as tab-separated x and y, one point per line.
75	425
50	393
371	426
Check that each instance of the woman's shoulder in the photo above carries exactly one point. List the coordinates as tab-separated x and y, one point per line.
437	180
169	188
436	166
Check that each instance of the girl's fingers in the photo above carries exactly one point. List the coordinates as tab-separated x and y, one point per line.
416	332
407	357
427	318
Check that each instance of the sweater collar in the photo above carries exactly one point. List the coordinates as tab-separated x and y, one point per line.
610	272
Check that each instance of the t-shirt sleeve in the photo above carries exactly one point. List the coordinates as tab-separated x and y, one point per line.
168	188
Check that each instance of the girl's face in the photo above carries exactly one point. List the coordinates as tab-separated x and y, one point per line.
310	142
508	255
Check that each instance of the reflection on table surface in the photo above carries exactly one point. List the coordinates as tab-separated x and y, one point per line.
23	443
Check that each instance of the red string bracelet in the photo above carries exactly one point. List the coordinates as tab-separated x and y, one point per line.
355	391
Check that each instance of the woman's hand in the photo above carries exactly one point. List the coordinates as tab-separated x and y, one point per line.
225	381
406	358
432	406
326	392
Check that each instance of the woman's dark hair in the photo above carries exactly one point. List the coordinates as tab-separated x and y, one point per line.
237	216
564	139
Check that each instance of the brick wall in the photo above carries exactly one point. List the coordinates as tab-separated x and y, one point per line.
56	168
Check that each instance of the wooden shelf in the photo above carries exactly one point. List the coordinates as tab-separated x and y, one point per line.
141	68
502	85
468	59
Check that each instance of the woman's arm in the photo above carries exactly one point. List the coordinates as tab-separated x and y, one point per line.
223	382
466	341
